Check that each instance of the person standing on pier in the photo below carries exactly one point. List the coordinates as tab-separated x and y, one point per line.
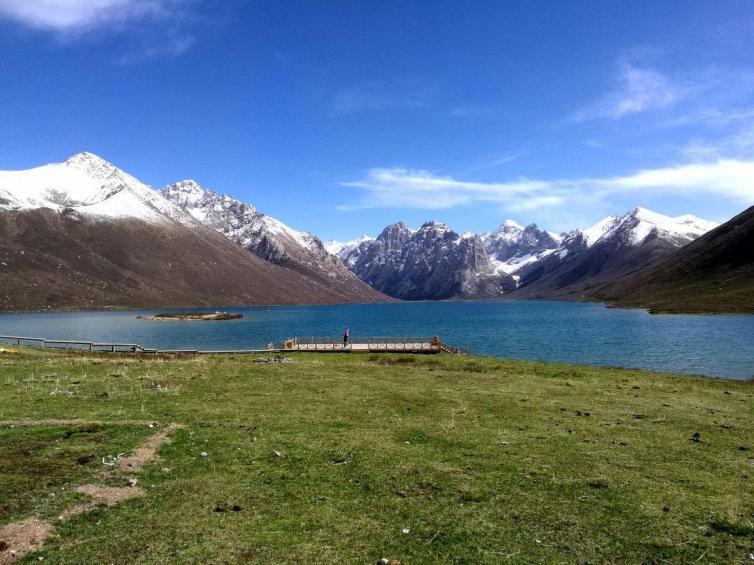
346	335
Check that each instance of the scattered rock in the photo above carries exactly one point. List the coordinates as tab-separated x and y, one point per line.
277	454
204	454
272	360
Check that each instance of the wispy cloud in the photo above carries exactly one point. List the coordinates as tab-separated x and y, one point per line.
377	97
71	20
638	90
82	15
738	143
728	179
495	160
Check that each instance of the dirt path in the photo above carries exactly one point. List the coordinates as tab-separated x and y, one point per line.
73	422
20	538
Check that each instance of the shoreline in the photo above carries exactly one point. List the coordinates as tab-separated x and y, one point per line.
610	305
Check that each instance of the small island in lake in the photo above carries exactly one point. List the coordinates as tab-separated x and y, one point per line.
193	316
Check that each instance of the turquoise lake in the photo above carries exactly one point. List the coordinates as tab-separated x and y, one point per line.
720	346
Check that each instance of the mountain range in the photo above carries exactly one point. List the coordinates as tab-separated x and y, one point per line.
84	233
434	262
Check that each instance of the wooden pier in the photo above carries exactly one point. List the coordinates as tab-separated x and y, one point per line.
416	345
419	345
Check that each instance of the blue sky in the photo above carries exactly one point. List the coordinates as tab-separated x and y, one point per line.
340	117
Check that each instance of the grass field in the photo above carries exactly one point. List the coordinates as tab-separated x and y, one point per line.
352	458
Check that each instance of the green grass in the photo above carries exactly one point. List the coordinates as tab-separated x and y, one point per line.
481	460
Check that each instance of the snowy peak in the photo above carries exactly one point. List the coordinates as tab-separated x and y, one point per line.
510	225
91	164
260	234
509	230
338	247
239	221
89	185
221	212
511	247
636	226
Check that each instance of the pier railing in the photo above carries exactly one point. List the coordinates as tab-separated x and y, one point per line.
393	344
371	343
69	344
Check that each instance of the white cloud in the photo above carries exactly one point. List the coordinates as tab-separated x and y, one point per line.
728	179
639	90
81	15
401	188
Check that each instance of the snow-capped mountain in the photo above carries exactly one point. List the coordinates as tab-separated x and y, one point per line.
614	247
714	273
264	236
89	185
435	262
512	247
639	224
84	233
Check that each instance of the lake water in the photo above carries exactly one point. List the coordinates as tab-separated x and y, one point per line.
720	346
